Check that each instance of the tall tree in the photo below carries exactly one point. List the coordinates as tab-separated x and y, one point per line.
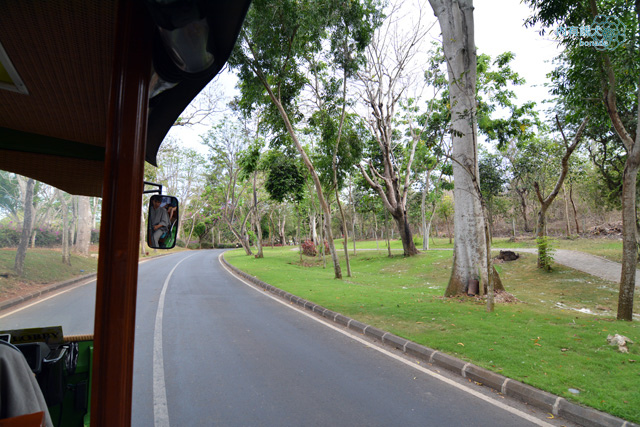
226	142
387	78
181	171
269	56
84	226
492	176
604	79
66	253
249	166
472	251
21	253
545	201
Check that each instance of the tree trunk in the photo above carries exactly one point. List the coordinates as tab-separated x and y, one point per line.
84	226
272	230
471	246
143	232
490	219
429	224
312	171
344	229
353	220
257	218
523	206
541	225
193	226
94	214
386	232
423	215
260	253
573	205
281	224
298	232
313	232
322	251
629	216
66	252
406	236
446	222
241	234
545	202
566	212
74	222
629	243
375	230
21	253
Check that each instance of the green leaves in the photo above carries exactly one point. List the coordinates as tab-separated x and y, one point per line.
285	177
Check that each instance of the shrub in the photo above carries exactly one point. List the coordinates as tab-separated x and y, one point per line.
309	248
46	238
545	253
206	245
180	243
195	245
9	237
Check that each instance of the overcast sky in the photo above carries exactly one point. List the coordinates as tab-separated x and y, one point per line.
498	28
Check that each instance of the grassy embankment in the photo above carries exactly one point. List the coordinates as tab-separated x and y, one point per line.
41	267
44	267
533	341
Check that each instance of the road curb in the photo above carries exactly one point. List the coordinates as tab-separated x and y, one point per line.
45	290
556	405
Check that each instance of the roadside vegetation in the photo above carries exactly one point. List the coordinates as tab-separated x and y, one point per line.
540	339
355	126
41	267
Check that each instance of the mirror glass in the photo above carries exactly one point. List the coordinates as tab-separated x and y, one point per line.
162	222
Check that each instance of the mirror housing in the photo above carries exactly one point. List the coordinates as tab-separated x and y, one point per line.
162	222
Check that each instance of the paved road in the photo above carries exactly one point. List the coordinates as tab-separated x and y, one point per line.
211	350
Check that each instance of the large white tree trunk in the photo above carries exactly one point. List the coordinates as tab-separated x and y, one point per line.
84	226
66	250
21	252
470	246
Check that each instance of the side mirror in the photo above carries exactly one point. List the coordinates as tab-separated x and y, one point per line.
162	222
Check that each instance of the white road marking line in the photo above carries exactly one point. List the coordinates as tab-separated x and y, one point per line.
160	410
55	294
422	369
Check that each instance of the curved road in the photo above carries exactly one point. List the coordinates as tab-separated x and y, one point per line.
212	350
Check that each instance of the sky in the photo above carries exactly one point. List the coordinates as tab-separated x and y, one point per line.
499	27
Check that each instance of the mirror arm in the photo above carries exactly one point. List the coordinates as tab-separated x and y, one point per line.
157	190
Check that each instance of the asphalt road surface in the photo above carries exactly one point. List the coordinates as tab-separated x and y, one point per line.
214	351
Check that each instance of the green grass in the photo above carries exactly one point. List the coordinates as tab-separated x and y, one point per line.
533	341
41	267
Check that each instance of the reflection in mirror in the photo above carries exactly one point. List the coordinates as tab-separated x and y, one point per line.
162	223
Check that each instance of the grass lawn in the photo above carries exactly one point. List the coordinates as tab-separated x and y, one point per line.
41	267
550	346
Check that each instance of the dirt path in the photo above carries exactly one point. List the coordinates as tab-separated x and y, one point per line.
590	264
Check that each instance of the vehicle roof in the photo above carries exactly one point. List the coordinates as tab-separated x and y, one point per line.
63	50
